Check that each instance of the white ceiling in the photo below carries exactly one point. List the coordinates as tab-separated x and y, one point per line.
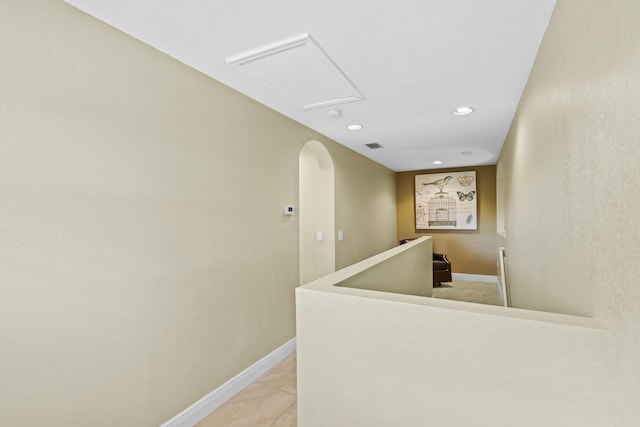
412	61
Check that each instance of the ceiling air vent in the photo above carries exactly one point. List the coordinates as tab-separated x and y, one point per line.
299	71
373	145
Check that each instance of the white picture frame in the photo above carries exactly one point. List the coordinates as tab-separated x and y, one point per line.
446	201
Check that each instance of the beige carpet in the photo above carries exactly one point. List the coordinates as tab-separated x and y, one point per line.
478	292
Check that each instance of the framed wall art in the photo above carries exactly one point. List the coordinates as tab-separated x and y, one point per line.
446	201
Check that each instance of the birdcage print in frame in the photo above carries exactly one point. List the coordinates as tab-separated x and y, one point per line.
446	201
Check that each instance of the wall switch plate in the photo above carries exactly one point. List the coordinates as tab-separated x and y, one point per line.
319	236
340	235
289	209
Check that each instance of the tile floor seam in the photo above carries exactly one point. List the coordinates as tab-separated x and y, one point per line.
281	415
273	387
277	388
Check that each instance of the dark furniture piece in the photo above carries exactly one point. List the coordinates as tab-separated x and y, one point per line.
441	267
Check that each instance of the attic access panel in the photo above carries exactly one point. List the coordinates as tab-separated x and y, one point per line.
298	70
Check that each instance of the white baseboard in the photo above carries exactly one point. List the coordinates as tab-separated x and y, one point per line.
209	403
474	277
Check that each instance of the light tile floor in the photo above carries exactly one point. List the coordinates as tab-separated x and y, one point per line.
270	401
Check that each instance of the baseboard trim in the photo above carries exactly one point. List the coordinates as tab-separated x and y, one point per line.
209	403
474	277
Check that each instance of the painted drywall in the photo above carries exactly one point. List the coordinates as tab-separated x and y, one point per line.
316	212
572	181
145	255
365	206
373	359
409	272
471	252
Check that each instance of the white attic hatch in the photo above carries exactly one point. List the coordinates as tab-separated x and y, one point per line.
299	71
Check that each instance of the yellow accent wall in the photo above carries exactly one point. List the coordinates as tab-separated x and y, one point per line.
145	256
470	251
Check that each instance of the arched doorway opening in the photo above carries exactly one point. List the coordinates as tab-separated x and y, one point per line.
316	212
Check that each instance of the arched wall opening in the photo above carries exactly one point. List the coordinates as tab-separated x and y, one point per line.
316	212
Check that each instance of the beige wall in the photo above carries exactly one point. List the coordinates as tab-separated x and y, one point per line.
472	252
145	257
316	212
572	181
396	359
365	206
410	272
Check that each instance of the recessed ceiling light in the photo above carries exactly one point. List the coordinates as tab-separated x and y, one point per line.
463	111
437	162
355	127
